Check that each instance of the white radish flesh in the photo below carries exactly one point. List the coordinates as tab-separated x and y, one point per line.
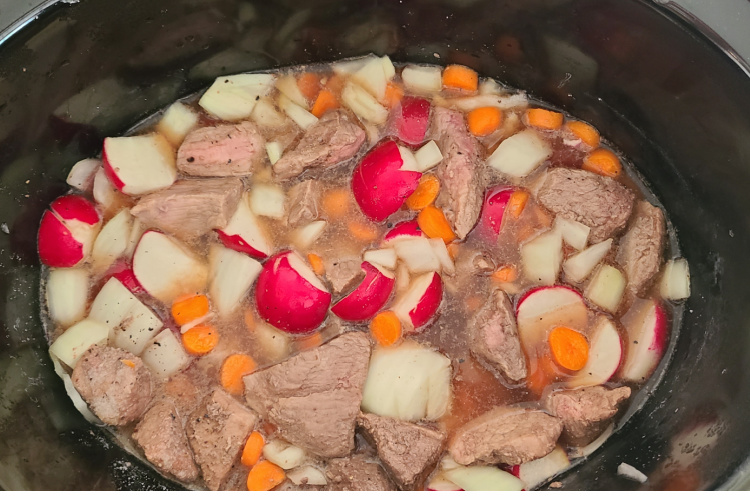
579	266
307	475
76	340
67	295
675	283
73	394
285	455
573	233
165	355
519	155
441	252
363	104
541	258
408	159
139	164
538	471
483	478
232	275
267	200
274	151
113	240
385	257
177	122
274	344
106	194
287	85
606	288
372	77
81	176
485	101
266	115
233	97
299	115
605	355
417	254
308	234
422	79
428	156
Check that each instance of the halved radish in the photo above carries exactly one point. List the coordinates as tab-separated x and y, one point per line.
538	471
483	478
493	210
112	241
606	288
541	258
405	229
139	164
647	325
579	266
379	184
109	198
234	97
308	234
290	296
81	176
519	155
178	120
123	271
605	355
369	296
67	293
542	309
417	254
428	156
412	119
417	306
245	234
166	269
232	275
385	257
76	340
67	231
441	252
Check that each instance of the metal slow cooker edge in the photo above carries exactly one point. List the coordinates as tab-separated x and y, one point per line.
670	98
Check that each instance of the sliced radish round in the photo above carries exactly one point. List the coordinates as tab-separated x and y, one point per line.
545	308
290	296
404	229
605	355
493	211
379	184
420	302
245	234
647	325
538	471
412	119
369	296
67	231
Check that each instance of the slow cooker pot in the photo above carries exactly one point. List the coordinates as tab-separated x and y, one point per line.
673	101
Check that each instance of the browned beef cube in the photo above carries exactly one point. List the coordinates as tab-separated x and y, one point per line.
642	246
303	202
234	149
359	472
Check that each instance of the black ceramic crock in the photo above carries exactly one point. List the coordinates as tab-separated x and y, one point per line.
675	103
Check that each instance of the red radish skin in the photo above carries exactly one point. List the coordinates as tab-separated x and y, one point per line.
412	120
605	356
238	244
74	207
379	185
287	300
428	305
409	228
647	324
125	275
57	246
493	211
111	175
368	298
543	308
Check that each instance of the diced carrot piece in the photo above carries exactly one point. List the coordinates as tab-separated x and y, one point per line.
505	274
200	339
484	121
265	476
585	132
335	203
316	263
393	95
309	85
517	203
253	449
189	309
453	250
362	231
386	328
128	363
544	118
433	223
602	162
326	101
233	369
460	77
311	341
569	348
249	320
425	194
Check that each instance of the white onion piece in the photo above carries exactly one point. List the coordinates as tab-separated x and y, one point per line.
67	295
267	200
675	283
285	455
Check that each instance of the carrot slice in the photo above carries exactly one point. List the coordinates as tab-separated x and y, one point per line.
233	369
362	231
569	348
460	77
393	95
335	203
309	341
484	121
189	309
425	194
505	274
128	363
309	85
433	223
386	328
326	101
517	203
585	132
200	339
602	162
544	118
316	263
253	449
265	476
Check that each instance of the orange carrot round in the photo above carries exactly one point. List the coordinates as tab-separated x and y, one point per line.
393	95
265	476
517	203
433	223
386	328
335	203
316	263
460	77
362	231
326	101
200	339
505	274
602	162
425	194
585	132
233	369
484	121
253	449
544	118
189	309
569	348
309	85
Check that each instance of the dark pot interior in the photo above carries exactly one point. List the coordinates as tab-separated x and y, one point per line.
673	102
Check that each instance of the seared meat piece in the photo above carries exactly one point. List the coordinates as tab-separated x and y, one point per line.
642	246
505	435
408	451
494	337
161	436
303	202
585	412
114	383
357	473
221	151
344	273
461	173
599	202
190	207
314	397
217	431
335	138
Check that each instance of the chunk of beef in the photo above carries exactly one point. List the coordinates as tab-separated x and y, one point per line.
217	431
190	207
585	412
303	202
335	138
461	172
187	389
114	383
359	472
221	151
597	201
344	273
161	436
313	398
642	246
505	435
408	451
494	337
